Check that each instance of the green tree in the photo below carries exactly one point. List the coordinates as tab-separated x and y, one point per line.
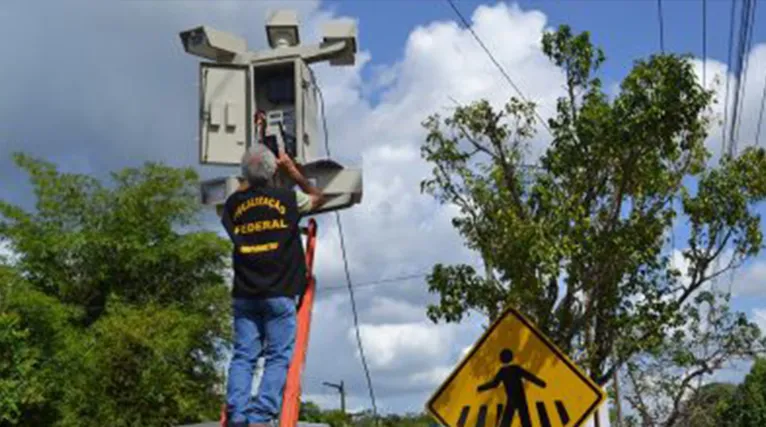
43	324
310	412
394	420
119	297
19	383
708	405
666	385
336	418
578	242
748	404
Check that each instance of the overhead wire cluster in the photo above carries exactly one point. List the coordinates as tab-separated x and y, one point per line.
744	43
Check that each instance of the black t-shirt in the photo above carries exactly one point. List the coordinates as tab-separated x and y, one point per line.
263	224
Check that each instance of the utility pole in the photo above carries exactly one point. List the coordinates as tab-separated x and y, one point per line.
342	390
618	404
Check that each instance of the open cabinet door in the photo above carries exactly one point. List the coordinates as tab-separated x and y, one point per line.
224	111
309	137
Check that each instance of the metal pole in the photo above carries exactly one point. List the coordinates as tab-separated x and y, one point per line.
342	390
617	401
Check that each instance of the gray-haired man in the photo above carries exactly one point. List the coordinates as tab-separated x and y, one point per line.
262	221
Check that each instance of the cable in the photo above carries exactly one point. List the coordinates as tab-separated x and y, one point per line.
738	71
704	44
748	43
741	44
760	115
662	26
398	279
728	78
356	318
467	26
345	264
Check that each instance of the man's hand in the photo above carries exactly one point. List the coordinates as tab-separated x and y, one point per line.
286	163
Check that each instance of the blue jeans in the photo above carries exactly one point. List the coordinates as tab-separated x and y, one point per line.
262	327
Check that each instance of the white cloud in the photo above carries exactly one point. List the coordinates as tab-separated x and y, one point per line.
759	317
392	310
431	378
751	280
392	346
6	253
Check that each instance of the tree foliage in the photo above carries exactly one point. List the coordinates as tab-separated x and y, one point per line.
579	241
721	404
115	305
311	412
668	385
747	407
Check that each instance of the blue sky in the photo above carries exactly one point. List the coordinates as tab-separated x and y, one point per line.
626	30
99	86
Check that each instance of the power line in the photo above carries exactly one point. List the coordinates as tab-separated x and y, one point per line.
356	316
745	39
662	26
345	265
397	279
760	115
748	43
741	44
467	26
704	44
728	77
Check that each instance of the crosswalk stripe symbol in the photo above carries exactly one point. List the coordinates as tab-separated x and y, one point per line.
544	420
483	415
463	416
563	415
482	419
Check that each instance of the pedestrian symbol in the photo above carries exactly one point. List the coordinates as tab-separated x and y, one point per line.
515	377
511	378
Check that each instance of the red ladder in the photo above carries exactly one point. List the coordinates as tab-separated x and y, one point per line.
291	402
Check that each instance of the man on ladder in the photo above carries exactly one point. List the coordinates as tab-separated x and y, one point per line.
262	220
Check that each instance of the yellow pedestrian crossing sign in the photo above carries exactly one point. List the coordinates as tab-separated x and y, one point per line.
514	376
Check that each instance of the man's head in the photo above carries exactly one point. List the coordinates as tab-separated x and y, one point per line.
259	165
506	356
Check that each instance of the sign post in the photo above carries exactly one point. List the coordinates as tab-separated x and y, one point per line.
514	372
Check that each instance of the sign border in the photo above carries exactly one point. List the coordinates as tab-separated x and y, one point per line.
507	312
